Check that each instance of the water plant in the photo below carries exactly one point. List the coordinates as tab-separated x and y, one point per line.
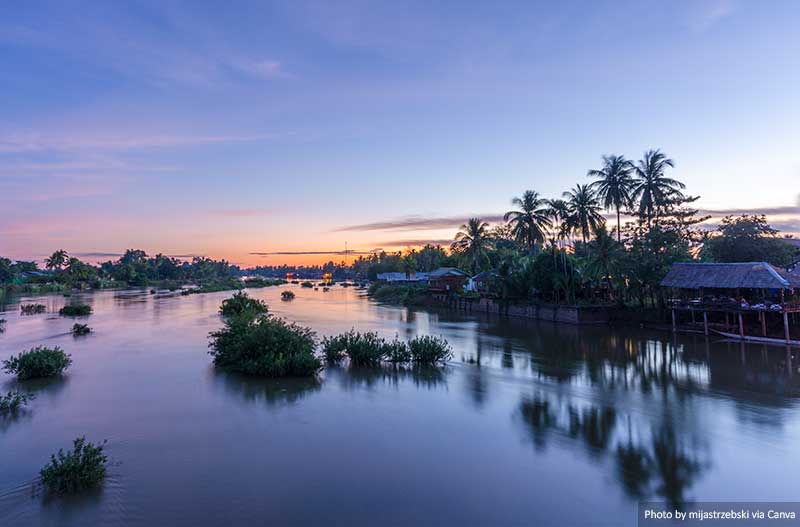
264	345
363	349
426	349
75	310
80	469
287	295
80	330
32	309
397	351
2	325
242	304
13	401
37	362
306	284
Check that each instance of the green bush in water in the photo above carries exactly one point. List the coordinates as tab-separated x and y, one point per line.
75	310
2	325
37	362
306	284
13	401
287	295
81	469
397	351
429	350
240	303
363	349
266	346
80	330
32	309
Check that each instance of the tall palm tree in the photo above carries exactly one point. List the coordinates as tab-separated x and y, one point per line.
584	210
605	254
614	185
652	189
474	240
57	260
528	224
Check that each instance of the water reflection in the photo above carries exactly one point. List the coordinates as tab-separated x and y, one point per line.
272	392
360	377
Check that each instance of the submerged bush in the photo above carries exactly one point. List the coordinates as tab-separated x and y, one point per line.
240	303
429	350
306	284
397	351
13	401
2	325
287	295
81	469
363	349
75	310
80	330
263	282
265	346
32	309
37	362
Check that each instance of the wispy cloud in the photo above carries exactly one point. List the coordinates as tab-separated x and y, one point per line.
36	143
418	223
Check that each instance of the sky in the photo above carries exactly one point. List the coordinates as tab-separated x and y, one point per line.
240	130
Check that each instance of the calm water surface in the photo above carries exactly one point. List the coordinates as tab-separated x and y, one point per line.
529	424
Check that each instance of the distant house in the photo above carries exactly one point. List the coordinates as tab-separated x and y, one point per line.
403	278
447	279
483	283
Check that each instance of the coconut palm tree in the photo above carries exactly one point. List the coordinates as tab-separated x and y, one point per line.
57	260
473	239
584	210
614	185
528	224
652	189
605	254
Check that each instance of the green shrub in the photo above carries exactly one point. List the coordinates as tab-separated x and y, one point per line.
37	362
262	282
75	310
429	350
363	349
287	295
397	351
398	293
240	303
80	330
13	401
81	469
265	346
32	309
306	284
335	348
2	325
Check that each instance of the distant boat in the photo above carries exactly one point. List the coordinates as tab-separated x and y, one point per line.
763	340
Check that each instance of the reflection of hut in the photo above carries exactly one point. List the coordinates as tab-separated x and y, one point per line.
734	289
327	278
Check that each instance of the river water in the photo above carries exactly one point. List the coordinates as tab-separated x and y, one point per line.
530	423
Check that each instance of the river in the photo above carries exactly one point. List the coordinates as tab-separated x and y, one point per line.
530	423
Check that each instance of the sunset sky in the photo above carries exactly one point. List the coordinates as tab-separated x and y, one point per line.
232	128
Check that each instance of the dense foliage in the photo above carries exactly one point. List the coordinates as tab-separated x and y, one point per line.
37	362
287	295
74	471
264	345
32	309
369	349
75	310
79	330
426	349
242	304
747	239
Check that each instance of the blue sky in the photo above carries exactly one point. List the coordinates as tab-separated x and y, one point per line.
230	128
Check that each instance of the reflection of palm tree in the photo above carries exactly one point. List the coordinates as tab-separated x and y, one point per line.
528	224
614	185
474	240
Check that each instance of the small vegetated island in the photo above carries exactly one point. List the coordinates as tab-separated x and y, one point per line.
75	310
37	363
77	470
368	349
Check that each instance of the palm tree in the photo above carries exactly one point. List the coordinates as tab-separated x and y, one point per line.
529	223
57	260
473	239
652	189
584	210
614	185
604	257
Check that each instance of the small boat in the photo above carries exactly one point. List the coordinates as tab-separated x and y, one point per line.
762	340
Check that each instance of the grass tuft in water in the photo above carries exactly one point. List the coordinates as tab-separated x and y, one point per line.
78	330
74	471
426	349
13	401
37	362
287	295
32	309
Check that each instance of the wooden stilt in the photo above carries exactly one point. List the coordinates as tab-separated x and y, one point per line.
741	326
692	311
789	360
763	317
674	321
786	326
705	322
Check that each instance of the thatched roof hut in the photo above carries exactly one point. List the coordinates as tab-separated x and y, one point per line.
749	275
